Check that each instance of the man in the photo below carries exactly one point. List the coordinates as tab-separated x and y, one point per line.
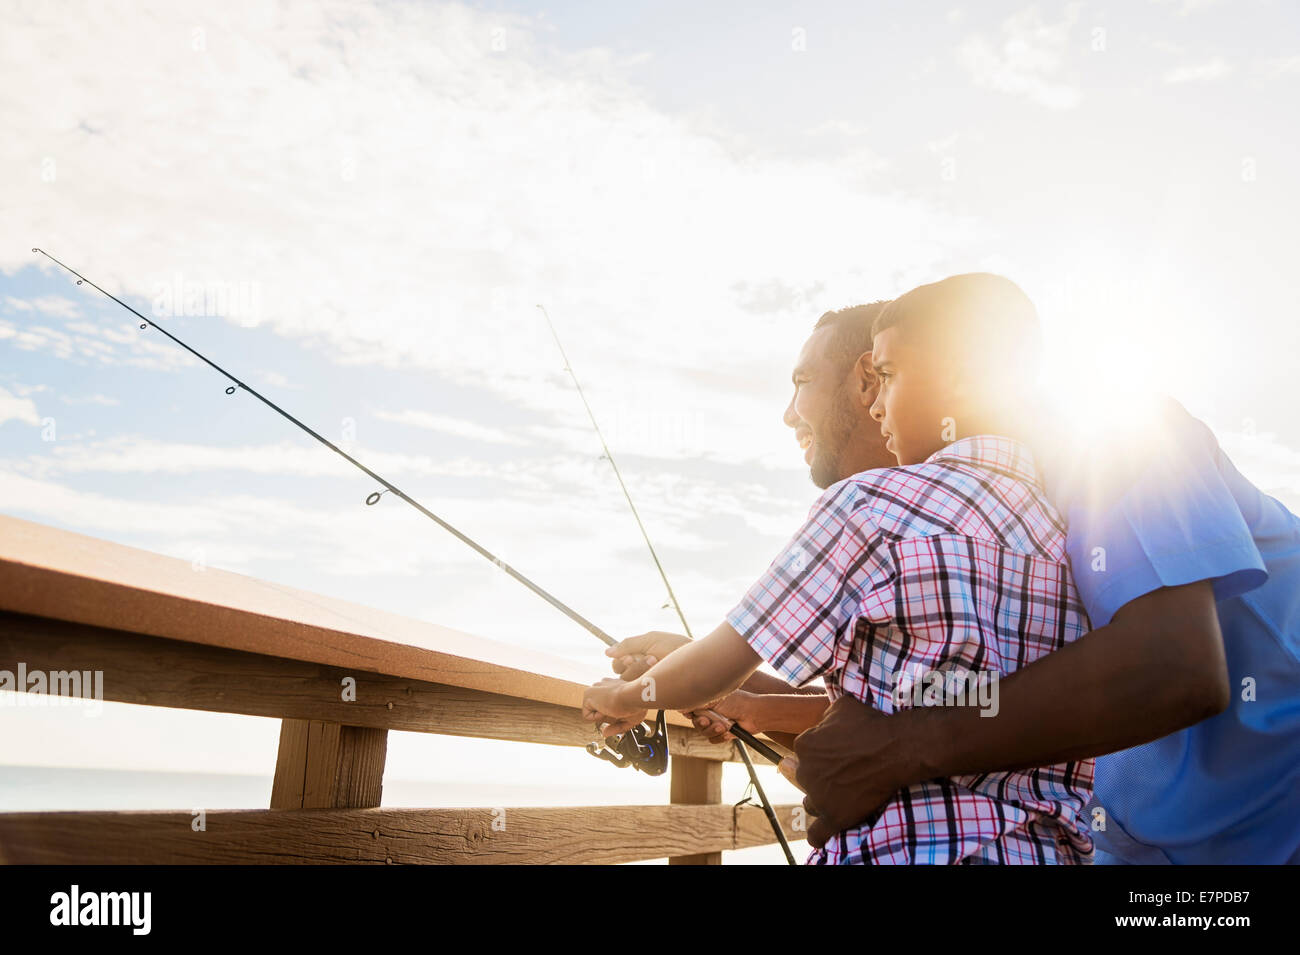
1191	677
834	389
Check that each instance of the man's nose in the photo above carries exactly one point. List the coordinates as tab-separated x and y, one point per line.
790	418
877	411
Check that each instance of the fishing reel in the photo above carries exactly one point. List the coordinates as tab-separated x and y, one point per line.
643	747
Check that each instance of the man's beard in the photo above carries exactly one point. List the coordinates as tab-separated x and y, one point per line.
840	425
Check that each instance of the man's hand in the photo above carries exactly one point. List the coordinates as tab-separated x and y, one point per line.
846	766
635	655
602	703
735	707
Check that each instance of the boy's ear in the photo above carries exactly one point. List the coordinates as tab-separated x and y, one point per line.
864	379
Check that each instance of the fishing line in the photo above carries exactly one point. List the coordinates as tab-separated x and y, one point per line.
754	782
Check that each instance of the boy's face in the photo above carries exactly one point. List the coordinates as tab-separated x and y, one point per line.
915	404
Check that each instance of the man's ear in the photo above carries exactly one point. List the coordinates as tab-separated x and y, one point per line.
864	380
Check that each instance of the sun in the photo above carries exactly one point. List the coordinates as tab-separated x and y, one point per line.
1114	349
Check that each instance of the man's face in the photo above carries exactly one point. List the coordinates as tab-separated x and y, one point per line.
913	401
827	412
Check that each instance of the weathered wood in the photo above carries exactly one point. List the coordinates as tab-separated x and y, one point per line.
166	632
695	782
323	765
290	781
359	781
602	834
155	671
47	572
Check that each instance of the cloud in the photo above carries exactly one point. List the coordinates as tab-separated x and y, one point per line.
1188	6
24	390
1027	60
95	399
14	408
53	306
944	145
132	455
1168	47
403	191
1281	65
277	380
85	342
775	296
1212	69
404	184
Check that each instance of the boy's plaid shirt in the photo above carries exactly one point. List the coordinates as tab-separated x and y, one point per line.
956	566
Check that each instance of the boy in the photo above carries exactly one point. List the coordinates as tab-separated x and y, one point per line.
950	565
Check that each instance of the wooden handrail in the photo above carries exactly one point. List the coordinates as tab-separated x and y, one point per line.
61	575
167	634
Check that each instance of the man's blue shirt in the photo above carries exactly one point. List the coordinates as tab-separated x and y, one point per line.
1168	508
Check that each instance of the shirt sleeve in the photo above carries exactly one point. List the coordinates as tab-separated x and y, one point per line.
797	613
1162	516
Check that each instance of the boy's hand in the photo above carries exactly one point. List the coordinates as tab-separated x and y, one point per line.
635	655
845	766
601	704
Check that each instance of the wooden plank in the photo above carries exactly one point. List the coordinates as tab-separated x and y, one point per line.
323	765
290	781
47	572
695	782
154	671
601	834
359	782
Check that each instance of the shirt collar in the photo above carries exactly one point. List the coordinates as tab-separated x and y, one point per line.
992	452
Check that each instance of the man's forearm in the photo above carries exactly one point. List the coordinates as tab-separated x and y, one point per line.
766	683
1114	688
786	713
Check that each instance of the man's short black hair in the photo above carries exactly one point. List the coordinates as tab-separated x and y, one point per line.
853	330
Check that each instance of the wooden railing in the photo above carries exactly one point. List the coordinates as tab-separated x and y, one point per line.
166	633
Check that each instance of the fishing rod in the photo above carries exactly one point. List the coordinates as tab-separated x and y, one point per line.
609	456
643	746
370	499
764	803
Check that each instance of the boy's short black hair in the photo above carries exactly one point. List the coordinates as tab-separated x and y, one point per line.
853	330
979	314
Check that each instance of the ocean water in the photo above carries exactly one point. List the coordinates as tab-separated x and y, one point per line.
46	788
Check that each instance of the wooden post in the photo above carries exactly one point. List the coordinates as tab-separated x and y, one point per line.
695	782
322	765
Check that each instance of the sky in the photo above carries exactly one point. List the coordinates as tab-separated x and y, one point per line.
357	207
